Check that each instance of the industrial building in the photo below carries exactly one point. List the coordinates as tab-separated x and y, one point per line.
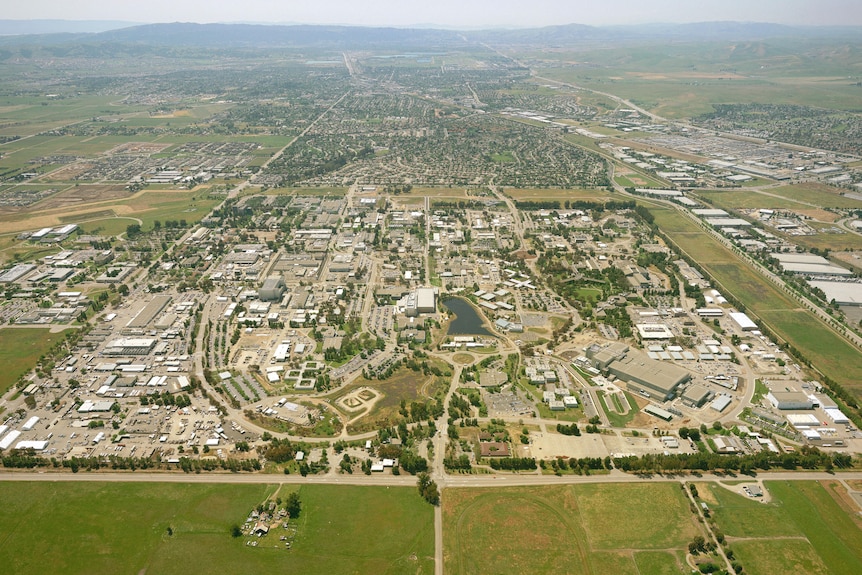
130	346
789	400
809	264
272	289
15	273
743	321
843	292
646	376
696	395
149	312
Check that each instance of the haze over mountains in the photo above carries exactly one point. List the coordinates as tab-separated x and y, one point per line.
250	35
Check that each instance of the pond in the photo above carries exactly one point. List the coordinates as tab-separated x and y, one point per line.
467	321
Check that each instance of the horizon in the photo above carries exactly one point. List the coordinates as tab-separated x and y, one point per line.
479	15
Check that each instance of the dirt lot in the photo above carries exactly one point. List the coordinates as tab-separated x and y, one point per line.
549	445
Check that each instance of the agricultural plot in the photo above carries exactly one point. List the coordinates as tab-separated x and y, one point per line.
804	529
97	528
567	529
687	79
532	194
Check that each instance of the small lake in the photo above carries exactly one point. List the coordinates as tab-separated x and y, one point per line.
467	321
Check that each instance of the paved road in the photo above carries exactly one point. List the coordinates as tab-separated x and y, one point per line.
450	481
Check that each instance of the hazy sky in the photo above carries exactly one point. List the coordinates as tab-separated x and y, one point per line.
461	13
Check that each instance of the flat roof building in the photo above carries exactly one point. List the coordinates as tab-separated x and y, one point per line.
426	300
130	346
743	321
149	312
789	400
272	289
653	378
696	395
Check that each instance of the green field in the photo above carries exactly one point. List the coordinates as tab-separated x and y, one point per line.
93	528
613	529
20	348
684	79
803	530
539	194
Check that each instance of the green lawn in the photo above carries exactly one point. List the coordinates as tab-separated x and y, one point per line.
617	419
20	348
112	528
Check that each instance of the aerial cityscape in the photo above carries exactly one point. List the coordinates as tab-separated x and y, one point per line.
343	297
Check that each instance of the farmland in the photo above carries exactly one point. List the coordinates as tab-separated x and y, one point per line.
803	529
567	529
123	528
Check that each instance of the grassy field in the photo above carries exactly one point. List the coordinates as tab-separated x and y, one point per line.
148	206
405	384
792	197
826	350
684	79
524	194
93	528
20	348
613	529
803	530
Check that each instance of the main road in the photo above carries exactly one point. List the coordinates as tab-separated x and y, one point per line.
448	481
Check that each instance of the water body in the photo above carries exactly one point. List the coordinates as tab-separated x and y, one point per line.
467	321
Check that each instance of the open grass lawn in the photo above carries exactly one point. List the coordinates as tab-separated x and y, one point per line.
95	528
19	350
803	530
616	418
749	199
685	80
660	562
612	529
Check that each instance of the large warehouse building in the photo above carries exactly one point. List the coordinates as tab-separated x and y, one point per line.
272	289
130	346
149	312
656	379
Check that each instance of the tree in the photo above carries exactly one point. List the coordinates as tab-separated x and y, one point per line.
697	545
428	488
235	531
293	505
